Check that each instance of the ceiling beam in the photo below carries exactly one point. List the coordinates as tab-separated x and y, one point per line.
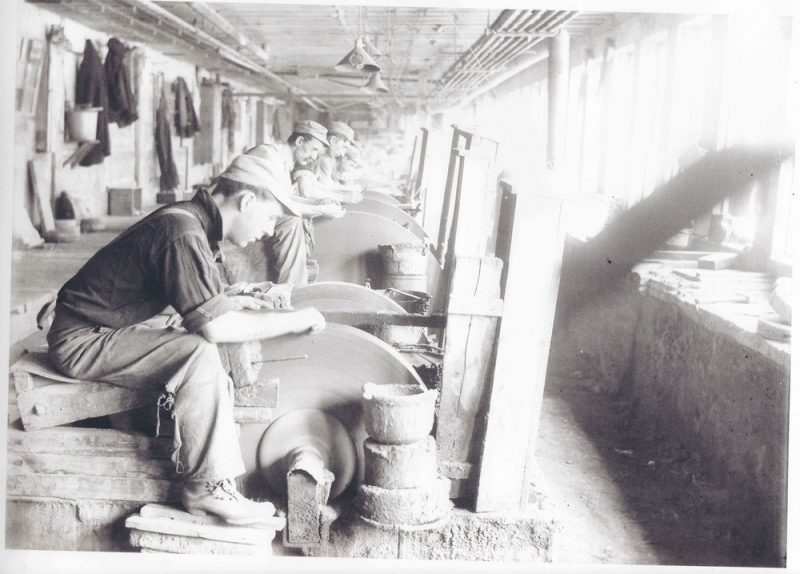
224	50
220	22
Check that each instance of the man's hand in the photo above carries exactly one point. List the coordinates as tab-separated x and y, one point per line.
310	321
352	196
278	295
329	208
242	302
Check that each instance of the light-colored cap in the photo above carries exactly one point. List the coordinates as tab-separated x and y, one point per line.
343	130
264	172
311	128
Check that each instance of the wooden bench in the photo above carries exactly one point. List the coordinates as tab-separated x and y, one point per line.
46	398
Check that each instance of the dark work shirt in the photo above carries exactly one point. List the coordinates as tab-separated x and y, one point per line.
165	259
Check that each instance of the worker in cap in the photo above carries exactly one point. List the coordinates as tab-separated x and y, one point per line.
349	166
324	184
287	247
108	324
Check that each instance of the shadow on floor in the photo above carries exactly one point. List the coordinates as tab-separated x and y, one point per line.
628	496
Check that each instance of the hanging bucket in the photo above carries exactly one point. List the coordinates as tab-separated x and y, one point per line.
83	123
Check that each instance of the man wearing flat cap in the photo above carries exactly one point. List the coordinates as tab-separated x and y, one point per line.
341	139
107	327
299	155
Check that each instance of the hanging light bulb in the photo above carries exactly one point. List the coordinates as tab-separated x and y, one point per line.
358	60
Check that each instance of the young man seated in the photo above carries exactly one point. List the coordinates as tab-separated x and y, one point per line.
101	331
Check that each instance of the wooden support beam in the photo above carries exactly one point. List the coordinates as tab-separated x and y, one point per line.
84	441
61	403
77	487
467	369
523	345
357	318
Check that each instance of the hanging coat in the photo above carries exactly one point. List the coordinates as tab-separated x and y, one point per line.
186	123
90	89
121	99
169	172
229	116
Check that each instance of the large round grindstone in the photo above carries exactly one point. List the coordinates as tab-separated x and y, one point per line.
307	429
391	212
404	506
337	362
347	250
341	296
380	196
349	297
394	466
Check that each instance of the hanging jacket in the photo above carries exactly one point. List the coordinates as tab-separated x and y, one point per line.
229	116
169	172
90	88
121	99
186	123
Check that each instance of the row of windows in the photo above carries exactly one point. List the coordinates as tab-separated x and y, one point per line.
638	112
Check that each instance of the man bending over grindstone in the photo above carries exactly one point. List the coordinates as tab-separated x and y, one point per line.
101	330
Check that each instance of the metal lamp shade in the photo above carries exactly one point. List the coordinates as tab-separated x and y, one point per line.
375	85
359	61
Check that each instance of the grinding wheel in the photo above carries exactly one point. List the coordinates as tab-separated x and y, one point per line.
346	297
339	361
389	211
347	250
302	429
380	196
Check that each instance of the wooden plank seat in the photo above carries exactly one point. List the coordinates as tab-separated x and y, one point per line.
46	398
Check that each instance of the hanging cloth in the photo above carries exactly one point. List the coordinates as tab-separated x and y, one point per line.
186	123
121	99
229	116
169	171
90	89
282	124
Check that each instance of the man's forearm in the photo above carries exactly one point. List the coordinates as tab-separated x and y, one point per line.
241	326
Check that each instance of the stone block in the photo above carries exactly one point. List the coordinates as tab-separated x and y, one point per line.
175	544
351	537
52	524
261	394
400	466
525	536
407	506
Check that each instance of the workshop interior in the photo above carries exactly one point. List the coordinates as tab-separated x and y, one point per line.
549	254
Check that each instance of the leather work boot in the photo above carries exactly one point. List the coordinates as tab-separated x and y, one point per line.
221	499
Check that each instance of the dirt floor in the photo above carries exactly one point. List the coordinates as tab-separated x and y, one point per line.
627	497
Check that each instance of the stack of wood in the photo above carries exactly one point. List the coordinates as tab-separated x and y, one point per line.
163	529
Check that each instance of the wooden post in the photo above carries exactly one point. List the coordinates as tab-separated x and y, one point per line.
522	350
472	319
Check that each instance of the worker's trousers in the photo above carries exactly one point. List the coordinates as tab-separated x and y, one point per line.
280	258
286	252
149	357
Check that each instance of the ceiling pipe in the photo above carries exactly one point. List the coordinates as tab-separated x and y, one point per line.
489	44
220	22
224	50
510	50
496	81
